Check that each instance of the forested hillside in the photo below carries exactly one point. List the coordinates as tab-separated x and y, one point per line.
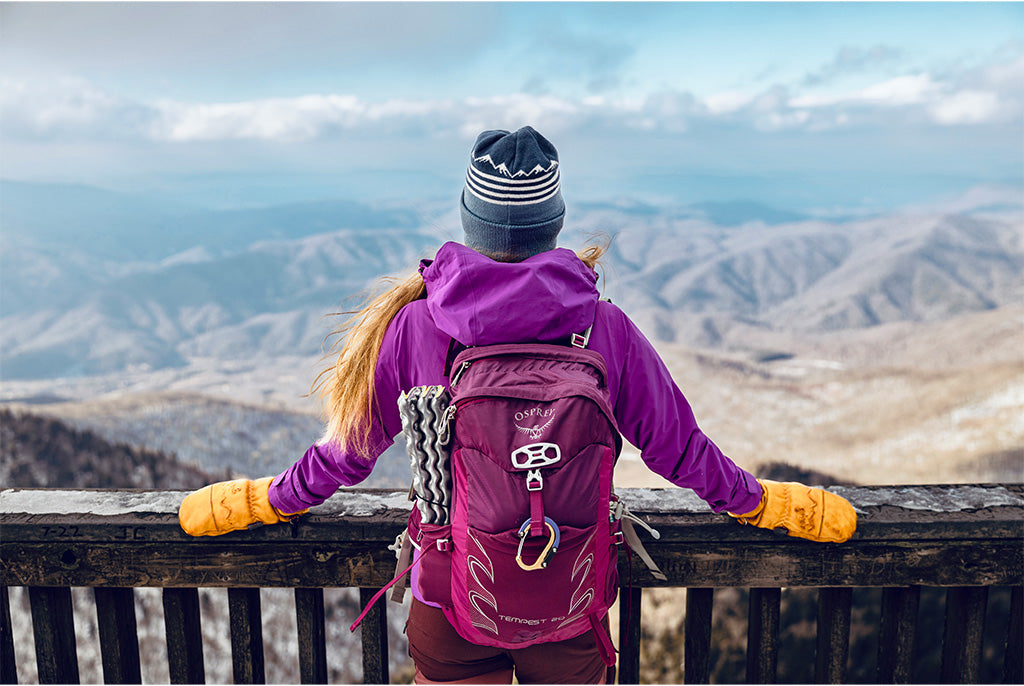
42	452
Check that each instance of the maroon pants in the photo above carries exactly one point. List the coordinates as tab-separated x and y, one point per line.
441	654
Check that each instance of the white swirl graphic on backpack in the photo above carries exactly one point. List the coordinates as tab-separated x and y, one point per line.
477	591
582	597
535	431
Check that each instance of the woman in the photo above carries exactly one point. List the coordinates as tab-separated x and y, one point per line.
508	283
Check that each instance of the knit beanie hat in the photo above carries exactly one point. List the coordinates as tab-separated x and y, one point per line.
512	201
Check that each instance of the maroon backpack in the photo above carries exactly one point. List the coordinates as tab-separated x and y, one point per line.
528	554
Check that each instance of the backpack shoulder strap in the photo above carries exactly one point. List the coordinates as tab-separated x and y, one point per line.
454	348
582	340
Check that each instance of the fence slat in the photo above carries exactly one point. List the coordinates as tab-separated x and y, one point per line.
962	639
896	634
8	668
833	635
246	635
763	635
630	605
119	638
697	636
374	637
53	625
1013	660
184	636
312	635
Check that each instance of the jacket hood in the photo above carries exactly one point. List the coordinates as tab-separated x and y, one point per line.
478	301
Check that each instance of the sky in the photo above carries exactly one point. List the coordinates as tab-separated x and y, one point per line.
824	105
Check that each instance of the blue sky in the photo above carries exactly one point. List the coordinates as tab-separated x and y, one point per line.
818	104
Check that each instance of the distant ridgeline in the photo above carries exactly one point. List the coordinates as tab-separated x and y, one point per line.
41	452
780	471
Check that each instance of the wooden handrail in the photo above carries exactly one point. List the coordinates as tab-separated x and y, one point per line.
965	537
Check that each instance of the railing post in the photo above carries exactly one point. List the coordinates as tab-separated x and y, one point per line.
375	639
53	625
833	635
312	636
246	635
962	639
8	668
184	636
697	636
119	638
897	633
630	599
763	635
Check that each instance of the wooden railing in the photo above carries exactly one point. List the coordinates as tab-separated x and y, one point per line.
965	538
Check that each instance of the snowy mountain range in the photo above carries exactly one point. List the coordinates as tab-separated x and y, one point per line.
95	282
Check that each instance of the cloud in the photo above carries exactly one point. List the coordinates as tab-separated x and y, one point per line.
903	90
77	110
1008	73
285	120
68	108
987	95
966	107
730	101
852	60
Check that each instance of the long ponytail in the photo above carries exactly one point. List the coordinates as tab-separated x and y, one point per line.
347	388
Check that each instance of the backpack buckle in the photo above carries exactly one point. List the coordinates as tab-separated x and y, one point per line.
534	480
536	455
581	340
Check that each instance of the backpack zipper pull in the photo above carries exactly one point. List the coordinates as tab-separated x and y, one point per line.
443	427
459	372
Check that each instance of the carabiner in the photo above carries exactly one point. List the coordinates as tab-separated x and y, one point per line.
549	550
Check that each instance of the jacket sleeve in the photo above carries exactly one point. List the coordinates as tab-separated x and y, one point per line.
654	415
411	354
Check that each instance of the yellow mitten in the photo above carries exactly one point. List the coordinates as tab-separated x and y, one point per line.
229	506
803	511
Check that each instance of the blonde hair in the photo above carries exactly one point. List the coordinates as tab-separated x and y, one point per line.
347	387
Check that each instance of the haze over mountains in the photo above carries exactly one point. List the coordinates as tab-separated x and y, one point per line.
96	282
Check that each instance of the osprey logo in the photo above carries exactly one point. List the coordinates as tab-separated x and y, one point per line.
536	417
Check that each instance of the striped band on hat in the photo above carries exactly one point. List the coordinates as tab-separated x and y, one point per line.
534	187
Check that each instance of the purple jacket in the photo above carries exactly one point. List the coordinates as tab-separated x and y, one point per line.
547	297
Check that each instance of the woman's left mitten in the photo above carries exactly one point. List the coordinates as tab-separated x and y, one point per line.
804	512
